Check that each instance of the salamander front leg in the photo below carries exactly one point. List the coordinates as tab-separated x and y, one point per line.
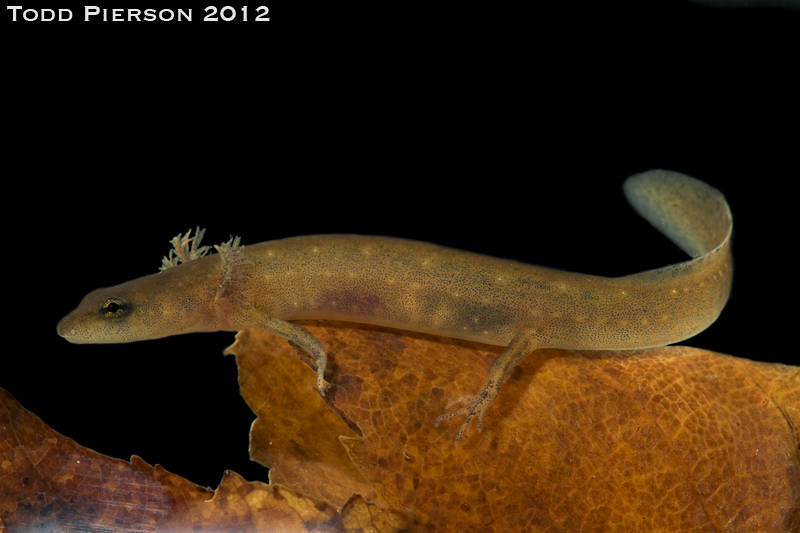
305	340
524	342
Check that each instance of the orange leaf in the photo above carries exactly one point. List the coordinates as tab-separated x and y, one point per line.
50	483
668	439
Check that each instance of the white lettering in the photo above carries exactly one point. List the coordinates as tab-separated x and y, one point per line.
121	15
13	12
90	11
227	13
46	15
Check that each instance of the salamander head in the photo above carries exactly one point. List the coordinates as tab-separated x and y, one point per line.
169	303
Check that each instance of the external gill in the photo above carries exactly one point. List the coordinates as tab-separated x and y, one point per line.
231	256
232	259
181	250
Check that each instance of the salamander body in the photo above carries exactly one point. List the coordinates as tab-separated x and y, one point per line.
428	288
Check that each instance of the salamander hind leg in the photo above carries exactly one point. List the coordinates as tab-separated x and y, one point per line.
523	343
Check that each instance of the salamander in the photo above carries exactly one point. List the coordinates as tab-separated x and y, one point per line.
423	287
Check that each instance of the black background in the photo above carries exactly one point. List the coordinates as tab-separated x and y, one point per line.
496	130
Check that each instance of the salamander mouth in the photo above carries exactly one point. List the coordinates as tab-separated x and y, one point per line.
71	334
68	328
63	329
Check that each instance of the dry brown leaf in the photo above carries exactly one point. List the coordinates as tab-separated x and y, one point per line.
669	439
51	484
307	457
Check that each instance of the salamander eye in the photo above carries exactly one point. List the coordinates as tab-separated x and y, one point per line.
113	307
